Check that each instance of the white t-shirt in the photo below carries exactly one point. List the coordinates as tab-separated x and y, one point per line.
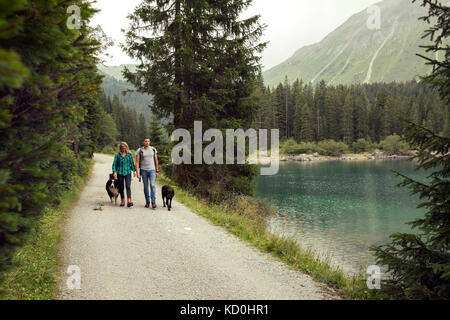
147	161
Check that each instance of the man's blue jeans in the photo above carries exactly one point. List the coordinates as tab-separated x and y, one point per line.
146	176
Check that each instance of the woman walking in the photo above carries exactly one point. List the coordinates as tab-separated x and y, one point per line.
122	166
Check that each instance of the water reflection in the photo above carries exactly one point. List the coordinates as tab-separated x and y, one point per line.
340	209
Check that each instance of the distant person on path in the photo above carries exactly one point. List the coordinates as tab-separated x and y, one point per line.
122	167
147	168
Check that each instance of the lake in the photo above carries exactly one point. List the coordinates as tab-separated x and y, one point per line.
341	208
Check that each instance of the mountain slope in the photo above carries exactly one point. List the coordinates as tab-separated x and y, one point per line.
116	71
354	53
114	84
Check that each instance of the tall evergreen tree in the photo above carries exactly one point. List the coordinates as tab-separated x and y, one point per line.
347	120
279	102
109	131
378	114
159	141
289	110
298	101
320	110
142	130
361	128
307	128
419	264
200	63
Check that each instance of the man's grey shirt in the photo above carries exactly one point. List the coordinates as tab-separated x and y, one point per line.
148	160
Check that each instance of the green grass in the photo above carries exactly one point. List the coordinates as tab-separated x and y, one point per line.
34	270
247	220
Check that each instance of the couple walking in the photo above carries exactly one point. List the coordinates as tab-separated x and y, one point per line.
146	168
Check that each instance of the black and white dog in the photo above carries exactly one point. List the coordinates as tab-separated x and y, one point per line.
167	193
112	187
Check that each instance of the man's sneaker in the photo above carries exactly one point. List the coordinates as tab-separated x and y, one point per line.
147	205
153	205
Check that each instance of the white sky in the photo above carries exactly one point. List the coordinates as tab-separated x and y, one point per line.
291	24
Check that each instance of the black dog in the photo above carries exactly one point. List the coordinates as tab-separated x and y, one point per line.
112	187
168	193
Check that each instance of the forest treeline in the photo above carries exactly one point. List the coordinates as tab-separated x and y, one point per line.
348	113
122	123
133	100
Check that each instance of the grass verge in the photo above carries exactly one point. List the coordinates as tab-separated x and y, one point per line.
246	218
33	274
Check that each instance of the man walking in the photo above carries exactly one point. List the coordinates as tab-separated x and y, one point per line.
147	168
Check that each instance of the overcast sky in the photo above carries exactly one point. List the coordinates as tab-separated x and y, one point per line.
291	24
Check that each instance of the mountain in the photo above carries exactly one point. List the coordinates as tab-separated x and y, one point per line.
114	84
116	71
355	53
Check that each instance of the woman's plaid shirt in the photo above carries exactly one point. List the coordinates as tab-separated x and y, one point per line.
123	165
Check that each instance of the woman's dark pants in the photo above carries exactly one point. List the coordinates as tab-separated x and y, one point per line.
124	180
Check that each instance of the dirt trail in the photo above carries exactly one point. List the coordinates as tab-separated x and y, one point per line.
142	253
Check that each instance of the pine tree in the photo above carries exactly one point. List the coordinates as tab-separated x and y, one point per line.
330	111
419	264
142	130
109	131
306	130
347	120
377	114
158	140
360	118
280	107
201	63
320	109
288	108
48	103
298	102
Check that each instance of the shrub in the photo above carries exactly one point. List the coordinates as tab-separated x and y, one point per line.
362	145
290	146
332	148
394	145
307	147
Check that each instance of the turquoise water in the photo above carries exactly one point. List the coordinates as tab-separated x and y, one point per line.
341	208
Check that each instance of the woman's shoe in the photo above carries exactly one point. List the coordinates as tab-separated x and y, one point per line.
130	204
122	203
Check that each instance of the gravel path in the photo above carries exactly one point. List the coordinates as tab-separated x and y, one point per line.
142	253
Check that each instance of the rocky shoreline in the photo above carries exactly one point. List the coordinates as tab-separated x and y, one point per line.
377	155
